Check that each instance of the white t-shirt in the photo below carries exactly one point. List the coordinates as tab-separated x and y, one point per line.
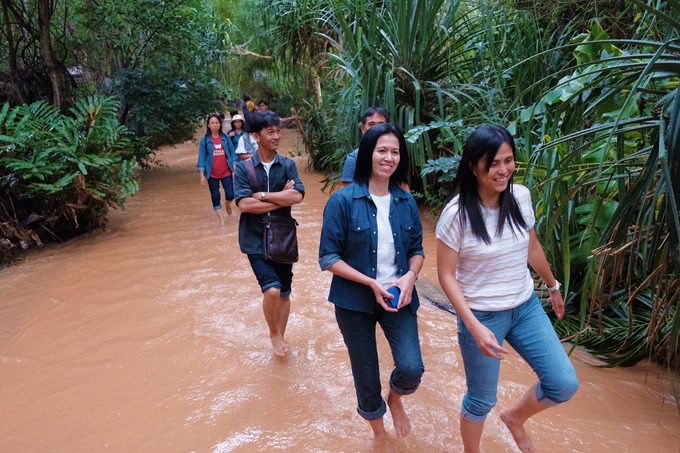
387	271
246	145
492	276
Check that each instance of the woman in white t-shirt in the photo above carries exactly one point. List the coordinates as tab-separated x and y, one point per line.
485	238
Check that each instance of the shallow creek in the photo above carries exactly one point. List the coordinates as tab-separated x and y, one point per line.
149	337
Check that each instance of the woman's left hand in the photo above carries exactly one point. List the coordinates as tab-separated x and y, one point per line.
405	284
555	297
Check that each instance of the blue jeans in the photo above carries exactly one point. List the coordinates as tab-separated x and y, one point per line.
529	331
401	330
272	275
214	185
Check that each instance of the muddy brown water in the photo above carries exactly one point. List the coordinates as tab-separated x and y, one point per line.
149	337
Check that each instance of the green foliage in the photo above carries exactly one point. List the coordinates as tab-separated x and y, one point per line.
59	173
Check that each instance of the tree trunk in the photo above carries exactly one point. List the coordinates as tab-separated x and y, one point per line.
13	68
44	20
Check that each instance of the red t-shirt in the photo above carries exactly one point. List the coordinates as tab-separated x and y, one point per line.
220	169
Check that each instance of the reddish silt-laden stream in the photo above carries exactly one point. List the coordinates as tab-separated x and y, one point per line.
149	337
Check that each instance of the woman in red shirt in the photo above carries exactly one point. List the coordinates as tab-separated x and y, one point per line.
216	159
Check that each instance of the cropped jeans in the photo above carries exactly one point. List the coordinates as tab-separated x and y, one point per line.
401	330
529	331
214	185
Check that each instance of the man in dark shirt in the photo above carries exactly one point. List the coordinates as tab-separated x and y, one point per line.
280	188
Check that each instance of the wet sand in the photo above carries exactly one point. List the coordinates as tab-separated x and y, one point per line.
149	337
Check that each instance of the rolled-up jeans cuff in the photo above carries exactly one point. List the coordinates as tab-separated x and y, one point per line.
543	398
471	417
376	414
272	285
399	391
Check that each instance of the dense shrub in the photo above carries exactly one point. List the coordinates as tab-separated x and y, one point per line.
59	174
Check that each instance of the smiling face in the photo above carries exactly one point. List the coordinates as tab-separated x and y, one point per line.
495	181
385	157
268	138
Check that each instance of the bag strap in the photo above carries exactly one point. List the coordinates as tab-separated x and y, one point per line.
253	177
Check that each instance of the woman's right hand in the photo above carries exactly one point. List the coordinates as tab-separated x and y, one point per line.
204	180
380	295
487	343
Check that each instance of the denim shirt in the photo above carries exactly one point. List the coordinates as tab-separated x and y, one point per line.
205	154
350	233
250	225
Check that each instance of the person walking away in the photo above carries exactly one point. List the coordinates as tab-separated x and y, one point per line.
485	237
371	240
216	160
279	175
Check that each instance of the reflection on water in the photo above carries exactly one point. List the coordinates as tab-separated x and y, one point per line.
150	337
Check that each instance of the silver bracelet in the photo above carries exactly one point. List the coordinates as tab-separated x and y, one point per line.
414	271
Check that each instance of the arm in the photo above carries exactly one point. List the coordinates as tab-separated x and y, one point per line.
272	200
348	169
344	270
200	166
407	281
447	261
539	263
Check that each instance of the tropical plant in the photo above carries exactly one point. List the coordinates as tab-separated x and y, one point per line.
60	174
603	161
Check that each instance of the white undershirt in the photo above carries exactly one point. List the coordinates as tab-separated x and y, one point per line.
387	270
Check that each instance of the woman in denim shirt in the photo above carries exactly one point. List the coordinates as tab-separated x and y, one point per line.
371	240
216	160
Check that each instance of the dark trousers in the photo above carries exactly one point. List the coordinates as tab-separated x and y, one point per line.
401	330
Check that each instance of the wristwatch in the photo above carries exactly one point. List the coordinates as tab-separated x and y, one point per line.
557	286
262	195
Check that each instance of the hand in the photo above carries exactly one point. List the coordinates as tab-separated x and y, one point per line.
204	180
487	343
380	295
405	284
555	298
289	185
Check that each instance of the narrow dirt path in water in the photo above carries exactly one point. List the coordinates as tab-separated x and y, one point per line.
149	337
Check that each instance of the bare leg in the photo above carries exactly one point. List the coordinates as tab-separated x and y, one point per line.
378	428
227	206
402	425
276	311
471	433
515	417
220	216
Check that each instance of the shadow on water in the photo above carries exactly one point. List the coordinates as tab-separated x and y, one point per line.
149	337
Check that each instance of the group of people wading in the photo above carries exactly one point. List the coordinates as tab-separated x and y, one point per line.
371	241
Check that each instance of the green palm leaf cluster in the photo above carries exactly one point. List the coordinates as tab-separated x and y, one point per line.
603	154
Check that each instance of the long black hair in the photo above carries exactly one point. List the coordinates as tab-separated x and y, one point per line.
364	168
485	141
207	123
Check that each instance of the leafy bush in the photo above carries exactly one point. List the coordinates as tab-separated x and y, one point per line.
60	174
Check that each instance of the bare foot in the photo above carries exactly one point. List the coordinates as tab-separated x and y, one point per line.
379	433
402	425
281	346
220	216
522	439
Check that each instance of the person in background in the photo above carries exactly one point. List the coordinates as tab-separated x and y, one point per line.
236	131
216	160
371	240
485	237
371	117
281	188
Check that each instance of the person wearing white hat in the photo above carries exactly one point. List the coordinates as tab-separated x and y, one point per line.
236	129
